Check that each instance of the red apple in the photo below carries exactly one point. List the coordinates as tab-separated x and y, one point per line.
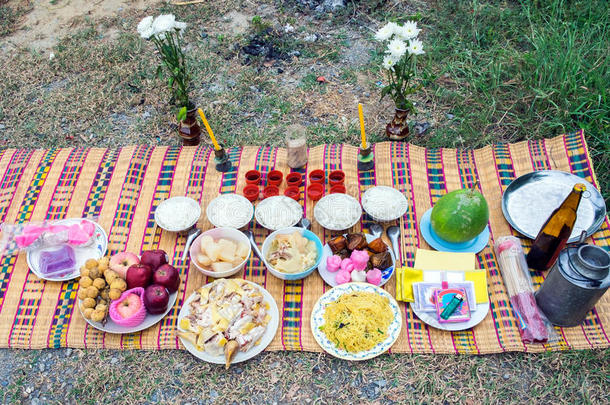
120	262
156	298
167	276
154	258
138	275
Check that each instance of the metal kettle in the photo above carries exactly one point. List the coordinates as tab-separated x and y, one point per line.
577	280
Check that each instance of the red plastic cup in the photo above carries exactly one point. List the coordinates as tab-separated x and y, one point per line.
315	191
253	177
317	177
274	178
337	188
293	192
271	191
294	179
251	192
336	177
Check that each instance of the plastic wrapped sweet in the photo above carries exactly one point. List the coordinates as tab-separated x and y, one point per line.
48	234
57	263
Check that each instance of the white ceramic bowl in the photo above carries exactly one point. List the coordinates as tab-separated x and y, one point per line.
291	276
165	218
218	233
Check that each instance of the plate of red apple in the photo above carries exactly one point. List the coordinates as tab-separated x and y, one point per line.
152	288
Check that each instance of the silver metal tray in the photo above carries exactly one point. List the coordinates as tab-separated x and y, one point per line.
530	199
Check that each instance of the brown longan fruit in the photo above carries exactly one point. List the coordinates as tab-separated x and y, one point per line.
84	272
88	303
104	293
87	312
85	282
101	307
114	294
110	276
92	292
104	261
91	264
99	283
103	302
98	316
95	273
82	293
119	284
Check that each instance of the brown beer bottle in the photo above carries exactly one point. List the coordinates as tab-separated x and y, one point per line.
555	232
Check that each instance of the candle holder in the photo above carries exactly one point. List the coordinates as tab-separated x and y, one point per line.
366	159
223	164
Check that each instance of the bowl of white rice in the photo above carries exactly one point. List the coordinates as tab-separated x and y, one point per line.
177	214
230	211
384	203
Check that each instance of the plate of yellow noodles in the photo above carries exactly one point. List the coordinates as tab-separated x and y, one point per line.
356	321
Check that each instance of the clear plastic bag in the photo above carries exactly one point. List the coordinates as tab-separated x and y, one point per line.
78	232
533	325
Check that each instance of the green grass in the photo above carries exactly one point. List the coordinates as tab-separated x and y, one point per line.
10	15
522	70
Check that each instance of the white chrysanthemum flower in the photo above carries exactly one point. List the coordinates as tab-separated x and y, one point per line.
145	28
164	23
180	26
388	62
397	48
416	47
408	31
386	31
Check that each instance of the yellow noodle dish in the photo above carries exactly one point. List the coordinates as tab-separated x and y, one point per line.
292	253
357	321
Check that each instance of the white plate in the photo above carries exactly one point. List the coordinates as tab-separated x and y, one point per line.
476	317
81	254
329	277
239	356
392	204
230	211
317	320
337	212
285	212
165	213
150	320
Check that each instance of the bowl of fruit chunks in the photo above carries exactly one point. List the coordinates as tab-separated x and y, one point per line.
220	252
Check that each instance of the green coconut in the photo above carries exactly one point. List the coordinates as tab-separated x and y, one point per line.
460	215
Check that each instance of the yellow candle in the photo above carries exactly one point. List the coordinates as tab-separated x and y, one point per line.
362	133
207	127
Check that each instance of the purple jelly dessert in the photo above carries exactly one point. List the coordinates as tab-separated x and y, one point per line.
57	263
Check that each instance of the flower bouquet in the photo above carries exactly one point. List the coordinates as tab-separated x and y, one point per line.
166	33
399	61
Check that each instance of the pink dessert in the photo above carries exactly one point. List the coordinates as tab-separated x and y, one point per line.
374	276
129	309
333	263
347	265
343	277
79	234
360	259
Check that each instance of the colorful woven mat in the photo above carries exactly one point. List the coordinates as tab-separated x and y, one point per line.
122	188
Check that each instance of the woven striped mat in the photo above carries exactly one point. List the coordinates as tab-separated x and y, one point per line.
122	188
